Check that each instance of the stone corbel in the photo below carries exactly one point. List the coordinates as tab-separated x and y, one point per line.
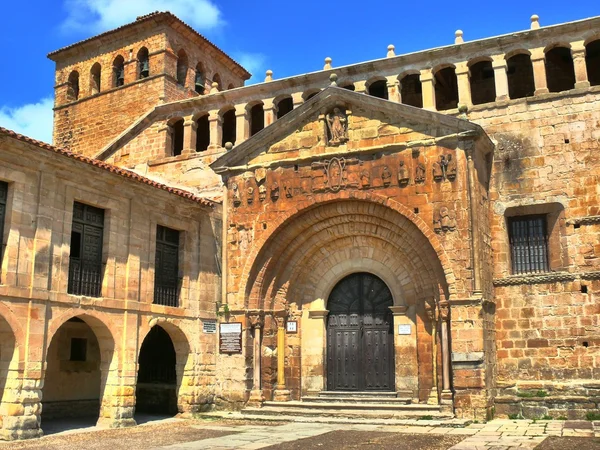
256	319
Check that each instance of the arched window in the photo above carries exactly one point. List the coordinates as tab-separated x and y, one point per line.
257	118
307	95
182	67
483	85
95	76
118	71
592	61
217	79
202	133
143	63
73	86
520	76
560	73
284	106
411	90
228	127
177	137
446	89
231	86
199	80
379	89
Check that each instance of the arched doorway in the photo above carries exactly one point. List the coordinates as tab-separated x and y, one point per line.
360	338
156	390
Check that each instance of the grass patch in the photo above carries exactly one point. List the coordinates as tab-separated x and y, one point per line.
530	394
547	417
426	418
516	416
561	418
593	415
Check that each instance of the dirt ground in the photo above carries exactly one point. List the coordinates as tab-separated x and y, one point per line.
342	440
569	443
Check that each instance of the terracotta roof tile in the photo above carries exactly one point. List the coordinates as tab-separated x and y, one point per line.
109	167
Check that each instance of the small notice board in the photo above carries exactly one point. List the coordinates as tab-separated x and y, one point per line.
230	337
209	326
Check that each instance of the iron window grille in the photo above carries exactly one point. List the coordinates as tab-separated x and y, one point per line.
166	273
85	260
528	244
3	200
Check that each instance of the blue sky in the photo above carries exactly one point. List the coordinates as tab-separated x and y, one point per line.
288	37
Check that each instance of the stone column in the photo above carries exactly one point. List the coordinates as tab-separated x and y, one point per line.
393	87
538	58
242	123
428	89
581	75
21	407
446	400
270	111
500	66
405	343
464	86
314	342
256	394
215	125
189	136
297	99
360	86
433	395
281	394
164	132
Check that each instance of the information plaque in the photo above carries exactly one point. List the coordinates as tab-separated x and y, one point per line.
230	337
404	329
209	326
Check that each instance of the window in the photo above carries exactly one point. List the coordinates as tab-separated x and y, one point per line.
73	86
143	63
85	260
78	349
3	197
118	71
182	67
95	78
177	137
528	244
166	267
199	79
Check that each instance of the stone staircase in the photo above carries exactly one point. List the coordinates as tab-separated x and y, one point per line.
350	405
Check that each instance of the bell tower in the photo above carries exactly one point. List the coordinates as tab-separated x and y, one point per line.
105	83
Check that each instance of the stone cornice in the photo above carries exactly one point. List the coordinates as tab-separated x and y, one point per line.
551	277
586	220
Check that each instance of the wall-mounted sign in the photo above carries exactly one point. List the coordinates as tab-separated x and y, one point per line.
209	326
404	329
291	326
230	337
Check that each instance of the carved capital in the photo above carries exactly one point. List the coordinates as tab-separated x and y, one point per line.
256	319
444	310
280	318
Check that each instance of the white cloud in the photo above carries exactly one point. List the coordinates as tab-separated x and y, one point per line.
101	15
253	63
33	119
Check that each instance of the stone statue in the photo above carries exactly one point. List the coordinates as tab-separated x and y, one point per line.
275	191
250	192
386	176
403	177
438	169
236	194
337	123
420	173
287	188
262	192
365	178
450	167
444	220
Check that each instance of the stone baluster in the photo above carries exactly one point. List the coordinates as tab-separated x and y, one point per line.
393	87
256	394
282	394
215	125
581	75
189	136
464	86
538	58
500	67
270	110
428	89
242	123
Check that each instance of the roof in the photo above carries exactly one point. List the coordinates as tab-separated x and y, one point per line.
157	16
108	167
239	156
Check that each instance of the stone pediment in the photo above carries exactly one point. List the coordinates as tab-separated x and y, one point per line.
338	123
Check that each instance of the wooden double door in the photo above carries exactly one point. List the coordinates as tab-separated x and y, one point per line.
360	338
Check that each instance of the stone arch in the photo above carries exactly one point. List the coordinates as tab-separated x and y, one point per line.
411	89
482	80
446	87
118	71
377	87
284	104
228	125
519	74
310	93
73	86
256	116
108	359
184	367
95	78
560	70
592	60
182	67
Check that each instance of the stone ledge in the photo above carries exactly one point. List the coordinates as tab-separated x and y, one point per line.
547	399
551	277
587	220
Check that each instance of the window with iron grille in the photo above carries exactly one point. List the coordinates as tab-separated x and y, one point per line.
3	198
528	244
85	260
166	272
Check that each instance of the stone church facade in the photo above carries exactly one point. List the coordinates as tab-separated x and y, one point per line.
422	226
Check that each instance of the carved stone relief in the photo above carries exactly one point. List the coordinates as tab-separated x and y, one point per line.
287	188
235	193
249	192
445	168
337	125
365	179
274	191
444	220
420	172
335	174
386	176
262	192
403	175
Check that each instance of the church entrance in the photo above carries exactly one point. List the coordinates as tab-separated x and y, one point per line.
360	338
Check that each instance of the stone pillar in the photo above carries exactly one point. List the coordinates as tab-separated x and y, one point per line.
313	338
464	86
432	314
256	394
446	397
242	124
215	125
281	394
581	75
270	110
393	87
165	135
297	99
405	343
538	58
500	66
360	87
428	89
189	136
21	407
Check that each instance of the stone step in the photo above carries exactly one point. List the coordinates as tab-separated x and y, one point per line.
358	400
357	394
363	406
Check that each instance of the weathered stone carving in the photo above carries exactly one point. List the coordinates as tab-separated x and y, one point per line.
262	192
287	188
235	192
403	176
335	173
450	167
275	191
386	176
232	234
256	319
444	220
420	172
438	168
445	168
365	179
249	192
260	174
337	124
